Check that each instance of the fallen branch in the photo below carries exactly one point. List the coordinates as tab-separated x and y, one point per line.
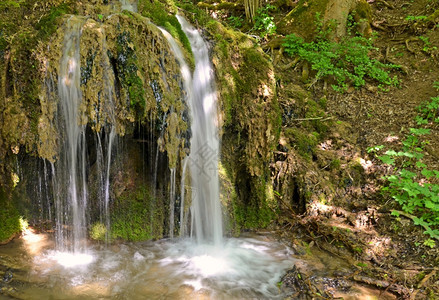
391	287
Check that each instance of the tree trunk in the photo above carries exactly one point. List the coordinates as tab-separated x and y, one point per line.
251	7
334	15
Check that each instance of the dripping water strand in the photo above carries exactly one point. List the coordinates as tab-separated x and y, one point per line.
187	80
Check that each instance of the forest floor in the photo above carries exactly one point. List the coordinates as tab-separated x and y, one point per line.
385	252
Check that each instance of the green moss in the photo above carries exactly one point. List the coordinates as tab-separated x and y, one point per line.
158	13
98	231
335	164
10	219
126	62
253	217
131	217
48	23
305	143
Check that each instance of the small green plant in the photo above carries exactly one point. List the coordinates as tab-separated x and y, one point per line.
264	23
235	21
413	185
430	243
415	18
347	62
428	48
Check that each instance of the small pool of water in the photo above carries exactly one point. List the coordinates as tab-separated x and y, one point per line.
247	267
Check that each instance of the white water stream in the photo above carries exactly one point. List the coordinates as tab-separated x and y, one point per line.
206	214
71	180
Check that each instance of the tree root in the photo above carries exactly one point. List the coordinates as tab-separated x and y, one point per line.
433	16
311	119
385	3
407	41
404	69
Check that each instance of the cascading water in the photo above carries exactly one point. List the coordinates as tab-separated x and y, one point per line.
71	202
71	172
206	215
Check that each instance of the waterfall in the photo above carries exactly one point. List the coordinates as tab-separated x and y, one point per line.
70	174
206	223
71	167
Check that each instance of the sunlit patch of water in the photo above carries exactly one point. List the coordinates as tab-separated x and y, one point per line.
171	269
69	259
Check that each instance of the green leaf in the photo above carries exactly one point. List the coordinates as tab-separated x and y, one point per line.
430	243
420	131
420	164
386	159
419	221
391	152
427	173
407	174
395	213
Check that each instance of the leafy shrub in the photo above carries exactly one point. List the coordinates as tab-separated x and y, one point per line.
348	62
6	4
264	23
235	21
413	185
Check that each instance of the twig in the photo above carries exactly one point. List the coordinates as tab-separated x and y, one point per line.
426	278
